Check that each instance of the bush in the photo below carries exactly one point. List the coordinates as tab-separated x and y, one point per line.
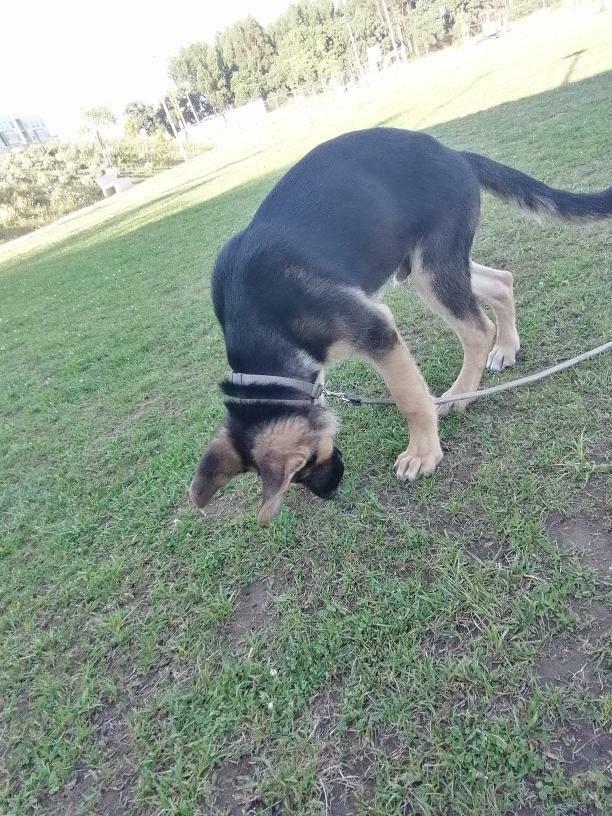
44	182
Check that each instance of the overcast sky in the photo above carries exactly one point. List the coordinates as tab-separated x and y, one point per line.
58	57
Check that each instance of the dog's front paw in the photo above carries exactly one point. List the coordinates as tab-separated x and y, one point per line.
417	460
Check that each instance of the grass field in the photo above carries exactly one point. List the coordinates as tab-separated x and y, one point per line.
440	649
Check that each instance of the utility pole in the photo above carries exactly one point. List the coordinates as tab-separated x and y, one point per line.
339	6
195	115
390	27
354	44
180	113
174	130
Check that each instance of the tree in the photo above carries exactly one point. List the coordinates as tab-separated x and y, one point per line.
96	119
99	116
368	24
248	52
201	70
312	43
142	117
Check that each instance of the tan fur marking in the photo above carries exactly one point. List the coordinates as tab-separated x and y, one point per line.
219	463
495	287
326	448
408	389
283	439
280	450
475	335
412	397
341	350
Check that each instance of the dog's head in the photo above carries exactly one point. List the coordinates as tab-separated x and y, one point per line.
282	445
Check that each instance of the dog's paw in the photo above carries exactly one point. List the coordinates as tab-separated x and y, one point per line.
501	356
445	408
417	461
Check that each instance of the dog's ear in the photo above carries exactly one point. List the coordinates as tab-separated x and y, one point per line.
219	463
276	475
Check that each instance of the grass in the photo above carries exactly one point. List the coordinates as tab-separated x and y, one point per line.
442	648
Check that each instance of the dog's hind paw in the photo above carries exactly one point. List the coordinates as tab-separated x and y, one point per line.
501	357
445	408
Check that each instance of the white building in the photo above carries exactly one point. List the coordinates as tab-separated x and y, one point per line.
21	131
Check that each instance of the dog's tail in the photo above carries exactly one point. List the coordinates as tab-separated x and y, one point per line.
535	196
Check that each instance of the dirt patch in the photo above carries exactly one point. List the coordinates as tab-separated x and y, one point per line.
324	713
566	664
577	661
597	615
232	797
584	747
253	610
462	465
350	780
165	407
111	732
589	536
400	503
346	774
152	403
227	506
484	549
224	506
112	786
69	799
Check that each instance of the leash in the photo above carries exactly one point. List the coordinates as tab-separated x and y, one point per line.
356	399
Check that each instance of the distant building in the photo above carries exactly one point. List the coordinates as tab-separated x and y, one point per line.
21	131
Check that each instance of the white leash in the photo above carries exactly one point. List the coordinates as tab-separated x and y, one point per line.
355	399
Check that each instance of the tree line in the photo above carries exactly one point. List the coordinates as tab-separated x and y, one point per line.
312	41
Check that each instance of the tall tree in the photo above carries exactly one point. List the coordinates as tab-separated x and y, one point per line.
248	52
144	117
368	24
312	43
201	69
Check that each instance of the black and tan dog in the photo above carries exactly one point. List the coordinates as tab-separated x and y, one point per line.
298	288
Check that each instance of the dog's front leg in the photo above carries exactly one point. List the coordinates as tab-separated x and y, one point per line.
412	397
374	336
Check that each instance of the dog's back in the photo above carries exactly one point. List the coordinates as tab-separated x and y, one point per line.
349	214
358	204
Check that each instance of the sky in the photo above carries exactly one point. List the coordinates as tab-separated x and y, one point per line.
59	57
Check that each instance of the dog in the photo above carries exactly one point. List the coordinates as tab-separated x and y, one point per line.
299	288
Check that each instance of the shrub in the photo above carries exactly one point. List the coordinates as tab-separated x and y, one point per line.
44	182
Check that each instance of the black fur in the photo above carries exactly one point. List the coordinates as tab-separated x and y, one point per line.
518	188
323	479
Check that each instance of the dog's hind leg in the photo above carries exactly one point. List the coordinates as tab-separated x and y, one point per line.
494	287
444	285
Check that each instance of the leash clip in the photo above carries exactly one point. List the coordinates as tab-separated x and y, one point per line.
352	399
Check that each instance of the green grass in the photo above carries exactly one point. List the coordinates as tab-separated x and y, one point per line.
432	649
